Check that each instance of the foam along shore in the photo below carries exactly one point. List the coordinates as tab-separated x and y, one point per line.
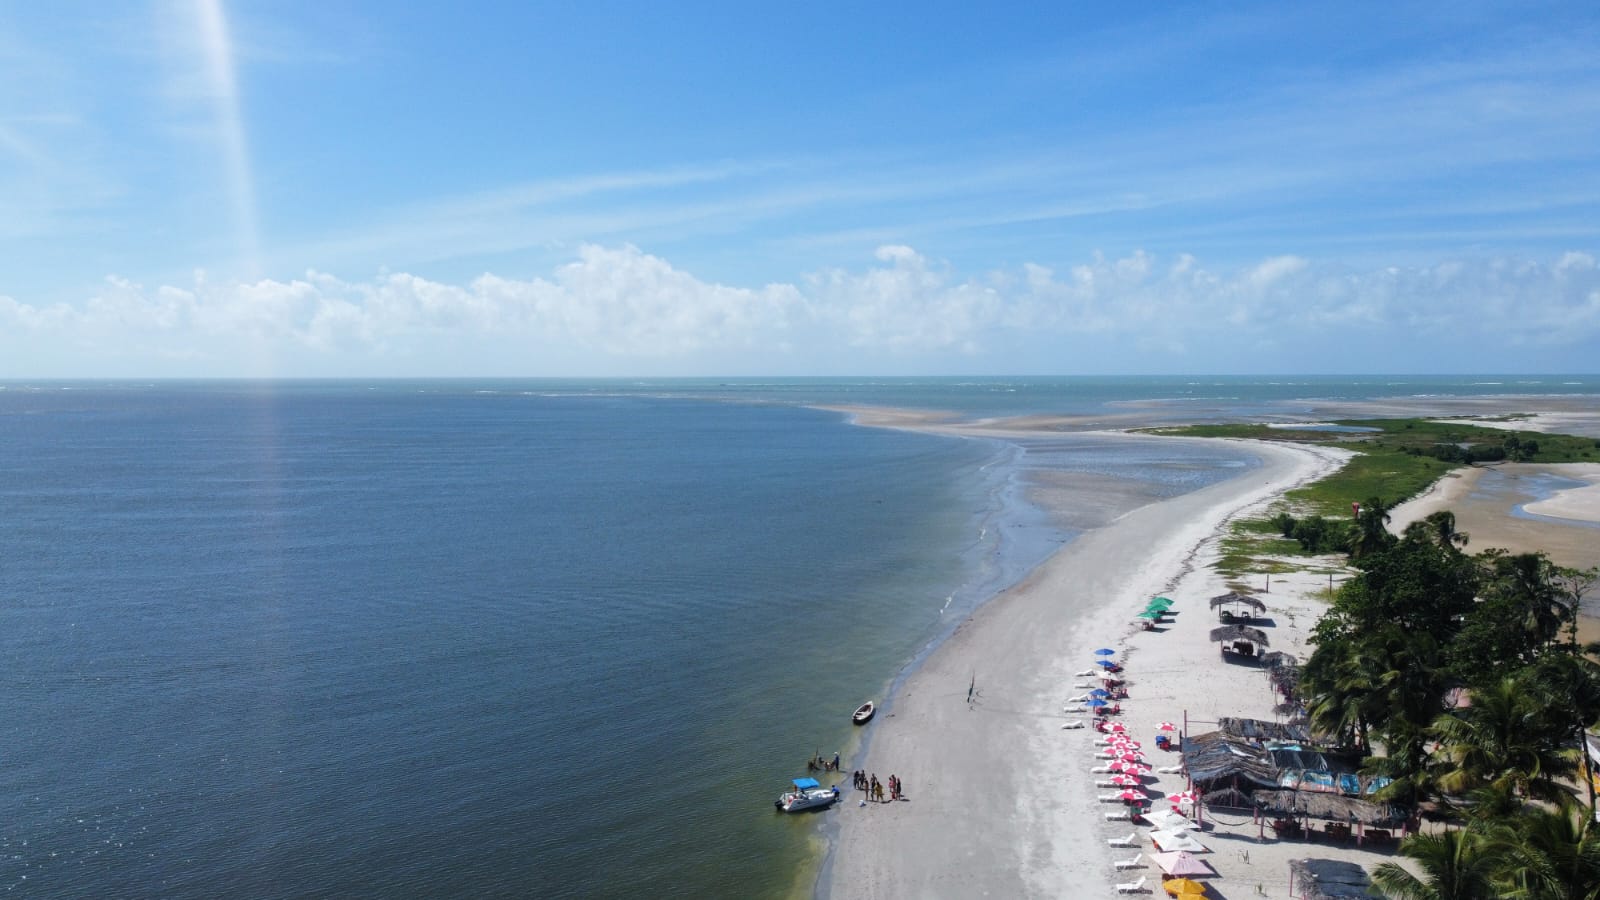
1000	799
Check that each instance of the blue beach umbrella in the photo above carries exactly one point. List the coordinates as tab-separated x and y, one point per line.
1106	663
1099	692
1096	702
1105	652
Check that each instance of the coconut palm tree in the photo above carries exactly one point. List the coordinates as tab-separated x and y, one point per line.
1505	737
1548	854
1454	867
1371	534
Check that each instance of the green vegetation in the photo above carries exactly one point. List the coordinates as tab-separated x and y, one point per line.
1421	624
1397	458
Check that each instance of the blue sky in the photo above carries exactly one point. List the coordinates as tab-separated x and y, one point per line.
353	188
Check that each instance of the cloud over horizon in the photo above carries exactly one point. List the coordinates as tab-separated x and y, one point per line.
621	311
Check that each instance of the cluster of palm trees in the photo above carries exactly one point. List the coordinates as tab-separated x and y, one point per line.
1461	678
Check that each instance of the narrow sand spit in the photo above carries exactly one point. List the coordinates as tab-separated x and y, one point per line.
1001	802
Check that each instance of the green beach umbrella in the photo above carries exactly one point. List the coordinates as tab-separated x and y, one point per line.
1147	614
1162	601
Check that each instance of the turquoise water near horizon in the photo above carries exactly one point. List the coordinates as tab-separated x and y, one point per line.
496	638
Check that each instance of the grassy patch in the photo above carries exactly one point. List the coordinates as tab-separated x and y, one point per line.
1394	461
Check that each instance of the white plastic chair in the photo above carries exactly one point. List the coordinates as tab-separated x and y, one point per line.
1133	863
1132	840
1132	887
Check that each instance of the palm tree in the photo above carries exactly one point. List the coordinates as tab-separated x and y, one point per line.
1371	534
1548	854
1443	526
1454	867
1505	738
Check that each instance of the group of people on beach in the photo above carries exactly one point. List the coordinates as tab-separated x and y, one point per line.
874	787
817	763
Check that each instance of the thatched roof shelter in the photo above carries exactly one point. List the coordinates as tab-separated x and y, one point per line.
1332	807
1241	599
1239	633
1262	730
1229	798
1329	879
1215	760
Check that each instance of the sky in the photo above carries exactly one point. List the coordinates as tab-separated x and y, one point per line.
206	188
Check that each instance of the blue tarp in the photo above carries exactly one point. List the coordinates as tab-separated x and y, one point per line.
804	784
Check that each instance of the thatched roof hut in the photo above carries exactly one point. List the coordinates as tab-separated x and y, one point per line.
1229	798
1239	633
1262	730
1331	807
1215	760
1329	879
1241	599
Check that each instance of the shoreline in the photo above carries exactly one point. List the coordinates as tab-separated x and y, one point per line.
996	803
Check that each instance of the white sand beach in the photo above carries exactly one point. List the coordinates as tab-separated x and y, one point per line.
1001	802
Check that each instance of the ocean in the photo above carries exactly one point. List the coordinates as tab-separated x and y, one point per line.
506	638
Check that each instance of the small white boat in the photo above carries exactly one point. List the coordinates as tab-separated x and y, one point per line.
807	794
863	713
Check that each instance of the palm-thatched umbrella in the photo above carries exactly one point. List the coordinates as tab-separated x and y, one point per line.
1239	633
1241	599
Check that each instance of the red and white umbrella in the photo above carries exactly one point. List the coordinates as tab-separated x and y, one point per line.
1125	744
1183	797
1116	728
1121	780
1166	726
1128	768
1130	758
1132	795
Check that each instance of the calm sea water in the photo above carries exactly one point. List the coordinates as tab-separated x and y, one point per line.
486	638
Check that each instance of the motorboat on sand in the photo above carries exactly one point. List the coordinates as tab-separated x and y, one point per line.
807	794
863	713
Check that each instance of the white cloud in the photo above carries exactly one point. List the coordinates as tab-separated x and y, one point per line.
620	310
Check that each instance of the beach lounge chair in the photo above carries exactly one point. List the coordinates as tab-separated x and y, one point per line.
1170	770
1132	887
1075	723
1132	840
1101	770
1120	815
1111	798
1133	863
1081	698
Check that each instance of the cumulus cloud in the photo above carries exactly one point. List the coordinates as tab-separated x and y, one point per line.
623	310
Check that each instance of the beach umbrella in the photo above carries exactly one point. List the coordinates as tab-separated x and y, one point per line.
1121	780
1184	887
1105	651
1169	821
1166	726
1182	864
1159	603
1128	746
1096	702
1166	600
1128	768
1130	758
1106	663
1116	728
1132	796
1182	797
1099	692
